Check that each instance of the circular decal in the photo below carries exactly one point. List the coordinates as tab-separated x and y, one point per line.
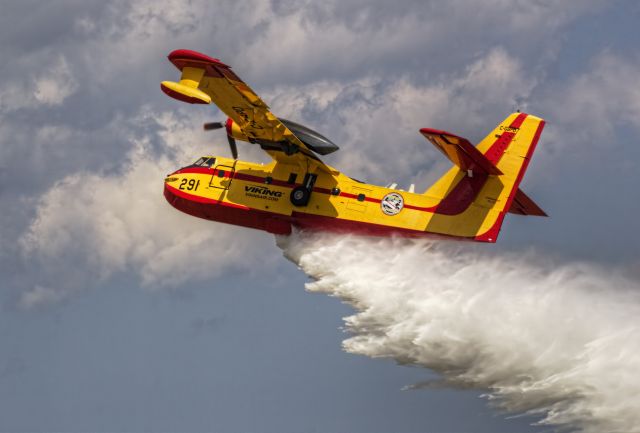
392	203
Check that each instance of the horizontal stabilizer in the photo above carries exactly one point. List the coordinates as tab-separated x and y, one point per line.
523	205
460	151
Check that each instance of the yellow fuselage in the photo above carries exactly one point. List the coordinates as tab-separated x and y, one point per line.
259	196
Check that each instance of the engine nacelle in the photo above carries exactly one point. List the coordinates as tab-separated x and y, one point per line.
234	130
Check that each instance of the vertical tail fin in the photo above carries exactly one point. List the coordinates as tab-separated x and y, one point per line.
482	186
518	135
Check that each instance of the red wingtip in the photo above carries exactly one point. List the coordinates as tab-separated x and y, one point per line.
183	54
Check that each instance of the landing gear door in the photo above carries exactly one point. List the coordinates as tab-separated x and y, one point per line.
222	176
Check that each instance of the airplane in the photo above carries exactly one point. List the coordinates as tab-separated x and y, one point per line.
296	189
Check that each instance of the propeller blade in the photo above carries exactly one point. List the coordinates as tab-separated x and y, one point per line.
232	141
232	146
213	125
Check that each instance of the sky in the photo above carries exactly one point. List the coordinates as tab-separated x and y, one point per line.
121	314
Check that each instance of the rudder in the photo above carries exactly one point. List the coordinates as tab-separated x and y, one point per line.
473	202
509	147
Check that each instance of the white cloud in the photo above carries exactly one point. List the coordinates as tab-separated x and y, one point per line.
603	97
89	226
50	87
303	41
55	83
39	296
307	40
376	121
341	67
178	16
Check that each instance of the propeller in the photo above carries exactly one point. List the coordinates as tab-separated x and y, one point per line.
211	126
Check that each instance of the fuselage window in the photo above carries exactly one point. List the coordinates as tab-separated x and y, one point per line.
361	197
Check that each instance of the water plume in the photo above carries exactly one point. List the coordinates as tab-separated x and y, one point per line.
561	342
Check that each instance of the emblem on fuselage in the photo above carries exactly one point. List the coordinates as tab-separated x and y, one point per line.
392	203
262	192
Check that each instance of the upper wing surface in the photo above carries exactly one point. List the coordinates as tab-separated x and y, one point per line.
209	80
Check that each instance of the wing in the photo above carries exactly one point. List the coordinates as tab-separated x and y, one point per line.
460	151
205	80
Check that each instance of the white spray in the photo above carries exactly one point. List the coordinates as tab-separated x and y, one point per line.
559	342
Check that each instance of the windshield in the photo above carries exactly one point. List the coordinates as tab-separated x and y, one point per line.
205	161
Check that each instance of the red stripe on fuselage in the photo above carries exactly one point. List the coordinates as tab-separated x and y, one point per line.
230	213
236	214
457	201
284	184
196	170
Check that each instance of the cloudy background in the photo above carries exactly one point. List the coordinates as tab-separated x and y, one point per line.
120	313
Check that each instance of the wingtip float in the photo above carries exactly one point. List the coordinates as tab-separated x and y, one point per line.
298	190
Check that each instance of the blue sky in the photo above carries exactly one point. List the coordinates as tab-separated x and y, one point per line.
120	314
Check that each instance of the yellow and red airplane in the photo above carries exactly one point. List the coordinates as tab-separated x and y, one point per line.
298	190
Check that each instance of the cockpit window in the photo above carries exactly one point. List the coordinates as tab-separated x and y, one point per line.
204	162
